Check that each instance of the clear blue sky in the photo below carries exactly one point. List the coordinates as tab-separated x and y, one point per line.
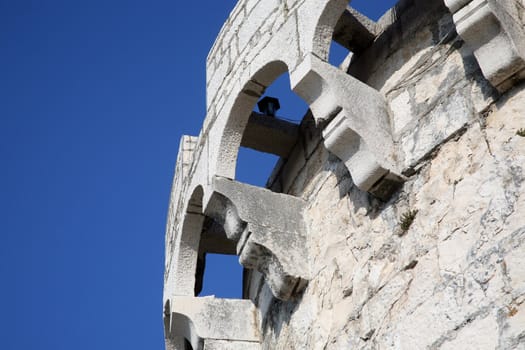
94	96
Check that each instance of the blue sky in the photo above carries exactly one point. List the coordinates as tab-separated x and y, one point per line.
94	98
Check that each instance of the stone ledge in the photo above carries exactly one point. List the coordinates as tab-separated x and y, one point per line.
270	134
354	31
494	32
202	321
269	230
358	132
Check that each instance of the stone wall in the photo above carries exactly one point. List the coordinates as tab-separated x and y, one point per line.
420	248
455	279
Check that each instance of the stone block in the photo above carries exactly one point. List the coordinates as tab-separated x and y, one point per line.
354	30
210	320
416	101
269	230
359	129
270	135
494	30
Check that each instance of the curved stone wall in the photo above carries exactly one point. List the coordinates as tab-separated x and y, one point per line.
395	218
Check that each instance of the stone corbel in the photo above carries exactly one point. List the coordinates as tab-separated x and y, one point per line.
494	30
358	130
354	31
211	323
269	230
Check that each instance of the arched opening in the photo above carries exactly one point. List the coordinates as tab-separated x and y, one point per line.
271	125
373	9
188	245
271	133
218	270
183	334
206	257
175	339
222	276
356	30
245	128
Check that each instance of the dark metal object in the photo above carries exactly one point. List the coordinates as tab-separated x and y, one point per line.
269	105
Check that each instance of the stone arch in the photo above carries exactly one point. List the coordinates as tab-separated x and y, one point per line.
239	115
188	244
324	29
180	332
200	234
235	84
175	341
183	330
355	116
202	323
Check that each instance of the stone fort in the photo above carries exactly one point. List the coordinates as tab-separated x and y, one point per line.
395	216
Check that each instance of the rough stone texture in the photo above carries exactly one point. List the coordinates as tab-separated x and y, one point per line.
495	32
270	135
354	31
436	264
209	322
269	231
454	280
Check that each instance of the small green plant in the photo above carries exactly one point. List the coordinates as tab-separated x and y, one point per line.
407	219
521	132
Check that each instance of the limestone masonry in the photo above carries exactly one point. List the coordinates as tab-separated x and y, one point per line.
395	217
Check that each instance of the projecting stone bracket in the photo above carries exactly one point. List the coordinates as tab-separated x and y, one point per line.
366	172
269	230
269	134
358	130
211	323
354	31
494	30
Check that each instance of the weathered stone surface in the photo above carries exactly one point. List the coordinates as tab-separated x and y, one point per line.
494	30
270	135
230	345
208	322
456	274
418	101
358	132
269	230
354	31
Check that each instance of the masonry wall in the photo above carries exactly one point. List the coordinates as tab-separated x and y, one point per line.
455	279
397	218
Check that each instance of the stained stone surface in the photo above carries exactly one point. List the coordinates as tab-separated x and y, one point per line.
454	280
449	276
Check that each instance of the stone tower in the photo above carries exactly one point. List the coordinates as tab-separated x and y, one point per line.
395	218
